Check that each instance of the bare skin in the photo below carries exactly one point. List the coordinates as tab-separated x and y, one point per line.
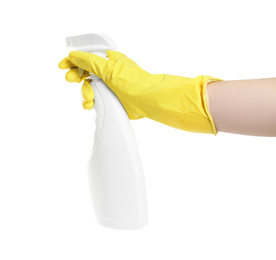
245	107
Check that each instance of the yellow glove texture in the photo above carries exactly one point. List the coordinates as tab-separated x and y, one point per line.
175	101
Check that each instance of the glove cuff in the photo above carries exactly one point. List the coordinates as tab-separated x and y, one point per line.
206	80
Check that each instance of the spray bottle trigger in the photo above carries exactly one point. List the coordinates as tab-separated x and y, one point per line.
80	70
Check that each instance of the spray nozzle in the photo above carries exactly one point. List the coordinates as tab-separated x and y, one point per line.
91	42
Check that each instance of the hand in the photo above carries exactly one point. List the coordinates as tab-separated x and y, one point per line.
176	101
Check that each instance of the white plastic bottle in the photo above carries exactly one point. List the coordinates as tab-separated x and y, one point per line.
115	170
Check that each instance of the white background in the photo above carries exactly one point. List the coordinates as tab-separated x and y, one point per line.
209	197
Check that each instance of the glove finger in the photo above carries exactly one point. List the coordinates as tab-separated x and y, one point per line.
87	94
88	105
66	64
89	62
87	91
114	55
73	75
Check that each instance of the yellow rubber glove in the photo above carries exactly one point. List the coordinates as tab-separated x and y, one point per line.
175	101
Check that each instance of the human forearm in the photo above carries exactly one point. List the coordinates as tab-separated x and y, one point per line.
244	106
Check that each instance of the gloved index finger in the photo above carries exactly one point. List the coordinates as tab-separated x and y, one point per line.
89	62
66	64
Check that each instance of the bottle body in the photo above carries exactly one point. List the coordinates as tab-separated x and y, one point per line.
115	170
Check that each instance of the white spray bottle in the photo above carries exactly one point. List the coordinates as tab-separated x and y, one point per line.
115	170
